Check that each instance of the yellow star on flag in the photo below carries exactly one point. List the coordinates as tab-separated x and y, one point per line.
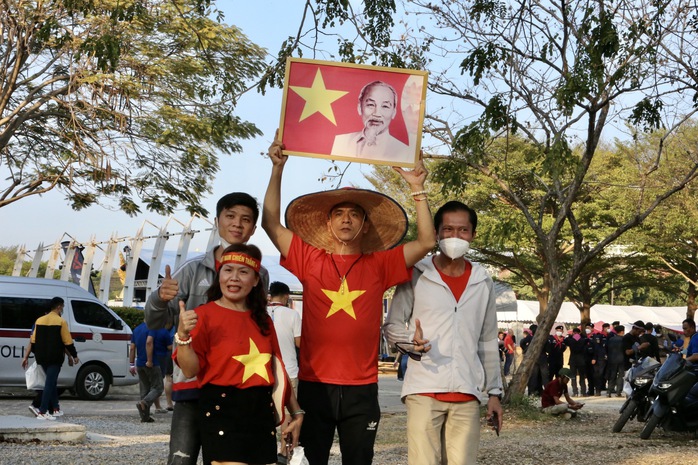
318	98
342	300
255	363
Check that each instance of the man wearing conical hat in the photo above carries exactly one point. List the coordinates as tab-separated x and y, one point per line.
343	247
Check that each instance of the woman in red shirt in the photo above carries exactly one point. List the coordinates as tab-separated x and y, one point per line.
230	345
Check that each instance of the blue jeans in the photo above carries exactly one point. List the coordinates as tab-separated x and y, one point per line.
185	440
509	358
50	397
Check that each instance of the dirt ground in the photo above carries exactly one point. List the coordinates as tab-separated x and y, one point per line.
552	441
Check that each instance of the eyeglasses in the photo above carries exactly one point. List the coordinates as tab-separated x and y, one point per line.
405	348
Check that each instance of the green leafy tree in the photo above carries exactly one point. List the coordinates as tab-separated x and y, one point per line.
556	75
671	235
119	102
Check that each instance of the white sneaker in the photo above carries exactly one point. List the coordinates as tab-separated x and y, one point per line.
45	416
34	410
57	413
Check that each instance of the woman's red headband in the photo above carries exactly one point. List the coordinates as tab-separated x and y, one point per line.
242	259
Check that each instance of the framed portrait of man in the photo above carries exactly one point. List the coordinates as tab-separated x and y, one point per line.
349	112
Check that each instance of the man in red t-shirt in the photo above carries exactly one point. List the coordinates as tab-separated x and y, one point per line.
341	245
551	400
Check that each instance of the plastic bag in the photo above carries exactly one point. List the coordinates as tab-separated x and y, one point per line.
298	457
36	378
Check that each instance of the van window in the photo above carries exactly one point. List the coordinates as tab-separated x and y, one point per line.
21	312
93	314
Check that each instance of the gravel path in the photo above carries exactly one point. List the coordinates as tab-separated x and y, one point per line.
116	436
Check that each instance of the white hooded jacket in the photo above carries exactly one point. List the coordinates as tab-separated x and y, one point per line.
464	353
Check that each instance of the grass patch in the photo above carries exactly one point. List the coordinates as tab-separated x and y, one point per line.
525	407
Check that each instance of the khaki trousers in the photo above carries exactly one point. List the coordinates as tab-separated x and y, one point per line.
442	433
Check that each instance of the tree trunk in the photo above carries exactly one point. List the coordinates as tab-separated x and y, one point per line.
517	387
691	301
585	313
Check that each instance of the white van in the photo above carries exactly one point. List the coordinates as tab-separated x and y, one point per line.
101	338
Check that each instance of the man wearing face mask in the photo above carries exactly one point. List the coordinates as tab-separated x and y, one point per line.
589	357
236	219
556	350
448	312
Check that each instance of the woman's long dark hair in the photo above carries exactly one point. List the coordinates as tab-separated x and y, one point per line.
256	300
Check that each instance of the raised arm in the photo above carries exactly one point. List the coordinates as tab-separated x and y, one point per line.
271	210
426	235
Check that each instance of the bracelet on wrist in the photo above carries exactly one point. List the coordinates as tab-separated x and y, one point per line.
420	200
182	342
413	194
298	412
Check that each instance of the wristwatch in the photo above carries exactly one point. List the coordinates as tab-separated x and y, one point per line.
498	396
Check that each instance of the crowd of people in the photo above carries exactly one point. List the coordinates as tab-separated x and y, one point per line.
597	358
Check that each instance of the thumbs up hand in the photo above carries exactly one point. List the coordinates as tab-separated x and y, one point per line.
169	287
420	344
187	321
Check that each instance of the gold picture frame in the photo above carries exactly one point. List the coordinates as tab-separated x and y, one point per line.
350	112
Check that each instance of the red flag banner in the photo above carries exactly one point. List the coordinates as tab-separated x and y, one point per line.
349	112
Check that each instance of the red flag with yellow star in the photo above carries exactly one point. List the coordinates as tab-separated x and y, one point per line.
321	101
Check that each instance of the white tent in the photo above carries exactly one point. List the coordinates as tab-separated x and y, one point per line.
669	317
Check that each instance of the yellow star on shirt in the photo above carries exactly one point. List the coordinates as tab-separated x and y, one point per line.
342	300
318	98
255	363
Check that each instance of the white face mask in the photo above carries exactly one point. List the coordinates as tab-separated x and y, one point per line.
558	333
588	331
454	247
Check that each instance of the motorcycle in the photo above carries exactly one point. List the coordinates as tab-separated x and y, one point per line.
675	406
638	404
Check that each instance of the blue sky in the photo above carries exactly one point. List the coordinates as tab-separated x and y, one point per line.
46	218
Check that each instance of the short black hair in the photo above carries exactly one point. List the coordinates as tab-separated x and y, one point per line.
576	329
55	303
690	322
454	206
238	198
619	328
279	288
649	326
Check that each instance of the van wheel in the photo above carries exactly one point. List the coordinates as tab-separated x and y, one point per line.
92	383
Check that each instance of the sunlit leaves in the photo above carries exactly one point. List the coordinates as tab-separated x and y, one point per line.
121	102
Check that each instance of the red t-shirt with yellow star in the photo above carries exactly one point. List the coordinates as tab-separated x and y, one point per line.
232	350
340	333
